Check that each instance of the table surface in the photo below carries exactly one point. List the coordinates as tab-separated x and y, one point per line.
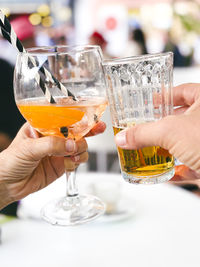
163	230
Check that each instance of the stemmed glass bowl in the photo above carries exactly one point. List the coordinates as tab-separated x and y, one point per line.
69	111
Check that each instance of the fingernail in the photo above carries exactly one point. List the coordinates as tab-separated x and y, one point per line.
70	145
120	139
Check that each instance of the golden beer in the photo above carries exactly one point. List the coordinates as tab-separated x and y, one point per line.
145	162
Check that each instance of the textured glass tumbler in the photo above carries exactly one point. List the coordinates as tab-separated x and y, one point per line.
140	90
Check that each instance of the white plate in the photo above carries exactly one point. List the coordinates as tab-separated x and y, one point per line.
125	210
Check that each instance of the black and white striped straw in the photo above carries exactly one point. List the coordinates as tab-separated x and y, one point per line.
9	34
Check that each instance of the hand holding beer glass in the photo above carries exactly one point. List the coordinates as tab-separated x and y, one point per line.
140	90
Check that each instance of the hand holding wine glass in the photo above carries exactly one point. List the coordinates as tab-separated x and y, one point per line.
23	163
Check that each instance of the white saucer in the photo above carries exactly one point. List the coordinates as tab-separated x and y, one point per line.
125	210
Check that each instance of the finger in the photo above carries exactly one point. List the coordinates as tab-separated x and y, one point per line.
186	94
195	106
180	110
183	173
81	158
146	134
97	129
33	133
26	131
48	146
70	165
81	146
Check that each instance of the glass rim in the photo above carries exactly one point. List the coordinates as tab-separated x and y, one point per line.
47	50
124	60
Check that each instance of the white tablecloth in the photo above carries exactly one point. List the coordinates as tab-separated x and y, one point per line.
163	231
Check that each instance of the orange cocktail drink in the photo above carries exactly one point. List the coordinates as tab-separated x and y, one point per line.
78	117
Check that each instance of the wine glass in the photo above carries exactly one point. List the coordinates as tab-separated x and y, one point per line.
75	112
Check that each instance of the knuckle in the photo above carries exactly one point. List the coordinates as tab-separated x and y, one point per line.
167	126
55	145
82	146
51	144
84	157
134	136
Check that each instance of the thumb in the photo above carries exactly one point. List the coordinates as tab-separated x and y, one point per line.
146	134
37	149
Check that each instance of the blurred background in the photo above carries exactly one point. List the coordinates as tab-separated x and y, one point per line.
121	27
142	226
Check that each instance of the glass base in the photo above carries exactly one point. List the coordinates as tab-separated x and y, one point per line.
68	211
154	179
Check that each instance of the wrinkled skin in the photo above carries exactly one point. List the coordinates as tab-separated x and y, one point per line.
32	162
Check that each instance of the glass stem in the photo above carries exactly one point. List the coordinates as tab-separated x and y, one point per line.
72	189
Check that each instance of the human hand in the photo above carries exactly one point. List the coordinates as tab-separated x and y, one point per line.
178	133
31	163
